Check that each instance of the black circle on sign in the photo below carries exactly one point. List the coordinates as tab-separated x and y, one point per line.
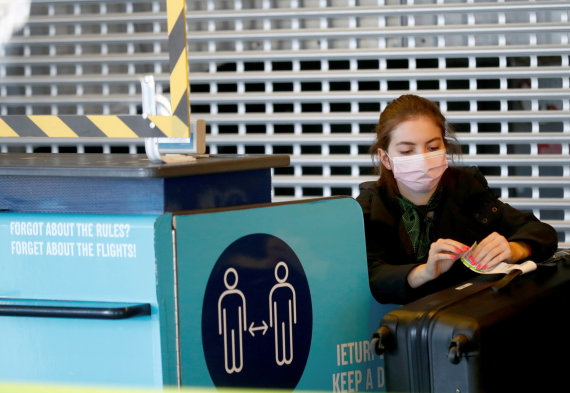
263	273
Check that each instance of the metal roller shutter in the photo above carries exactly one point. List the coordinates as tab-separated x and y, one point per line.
309	78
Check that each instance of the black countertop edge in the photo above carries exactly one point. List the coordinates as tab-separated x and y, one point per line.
129	165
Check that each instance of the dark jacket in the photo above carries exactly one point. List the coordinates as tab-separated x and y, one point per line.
467	211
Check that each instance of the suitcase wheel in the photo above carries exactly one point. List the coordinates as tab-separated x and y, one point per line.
457	348
382	340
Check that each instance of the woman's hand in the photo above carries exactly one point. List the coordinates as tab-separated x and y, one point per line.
495	249
442	255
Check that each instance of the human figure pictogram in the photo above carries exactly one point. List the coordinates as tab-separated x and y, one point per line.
282	314
232	322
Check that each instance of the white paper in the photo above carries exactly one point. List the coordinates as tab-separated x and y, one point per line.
503	267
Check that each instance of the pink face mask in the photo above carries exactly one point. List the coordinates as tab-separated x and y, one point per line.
420	172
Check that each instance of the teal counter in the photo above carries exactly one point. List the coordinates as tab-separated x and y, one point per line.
230	290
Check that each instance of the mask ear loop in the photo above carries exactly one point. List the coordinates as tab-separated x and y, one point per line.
390	161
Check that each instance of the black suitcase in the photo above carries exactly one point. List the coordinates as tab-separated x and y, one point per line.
494	333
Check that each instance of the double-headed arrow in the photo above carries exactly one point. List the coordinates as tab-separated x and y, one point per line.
253	329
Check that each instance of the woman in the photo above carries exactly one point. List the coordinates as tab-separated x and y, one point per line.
421	216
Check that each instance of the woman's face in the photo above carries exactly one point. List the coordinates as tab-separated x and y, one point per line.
419	135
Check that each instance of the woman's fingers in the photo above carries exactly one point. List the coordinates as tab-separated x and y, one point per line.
443	253
448	245
492	250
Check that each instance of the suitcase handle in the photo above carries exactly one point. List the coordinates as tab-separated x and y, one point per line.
506	280
382	340
560	256
457	348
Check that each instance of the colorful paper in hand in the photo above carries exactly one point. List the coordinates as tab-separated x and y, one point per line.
502	267
466	259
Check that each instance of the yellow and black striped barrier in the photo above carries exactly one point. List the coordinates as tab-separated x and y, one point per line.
122	126
92	126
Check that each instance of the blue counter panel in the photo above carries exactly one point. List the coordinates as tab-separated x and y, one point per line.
56	266
80	352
